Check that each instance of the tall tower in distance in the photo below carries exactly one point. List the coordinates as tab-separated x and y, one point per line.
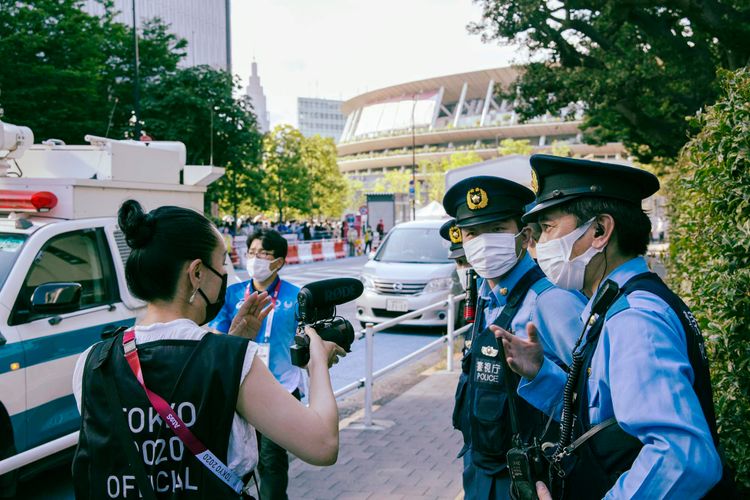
258	99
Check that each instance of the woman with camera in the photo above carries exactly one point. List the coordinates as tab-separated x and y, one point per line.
170	410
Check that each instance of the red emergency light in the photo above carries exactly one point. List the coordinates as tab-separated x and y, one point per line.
27	201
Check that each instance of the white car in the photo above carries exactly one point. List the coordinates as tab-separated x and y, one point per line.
409	271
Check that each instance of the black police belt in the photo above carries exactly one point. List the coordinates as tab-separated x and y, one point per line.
496	413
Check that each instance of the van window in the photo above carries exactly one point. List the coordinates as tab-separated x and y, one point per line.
414	245
78	257
10	249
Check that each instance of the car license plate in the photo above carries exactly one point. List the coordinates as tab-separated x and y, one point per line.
396	305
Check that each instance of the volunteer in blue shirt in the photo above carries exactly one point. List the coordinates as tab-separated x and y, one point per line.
640	372
266	252
488	213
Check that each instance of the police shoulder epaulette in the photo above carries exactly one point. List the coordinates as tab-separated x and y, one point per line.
621	304
541	286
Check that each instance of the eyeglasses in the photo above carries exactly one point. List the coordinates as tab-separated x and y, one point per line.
261	254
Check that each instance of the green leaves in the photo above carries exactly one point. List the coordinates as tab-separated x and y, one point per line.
66	73
637	68
302	176
710	253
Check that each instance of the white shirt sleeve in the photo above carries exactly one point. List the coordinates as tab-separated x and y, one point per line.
78	376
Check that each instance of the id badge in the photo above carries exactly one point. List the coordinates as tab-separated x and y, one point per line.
264	352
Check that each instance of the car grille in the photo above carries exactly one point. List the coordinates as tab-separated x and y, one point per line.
398	287
382	313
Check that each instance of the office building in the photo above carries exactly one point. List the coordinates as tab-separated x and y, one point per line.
205	24
321	117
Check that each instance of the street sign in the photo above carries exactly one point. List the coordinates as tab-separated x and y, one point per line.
363	210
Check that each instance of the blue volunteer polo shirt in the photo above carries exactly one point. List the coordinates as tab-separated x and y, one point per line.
282	331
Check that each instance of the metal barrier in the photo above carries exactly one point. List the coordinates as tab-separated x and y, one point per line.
369	333
47	449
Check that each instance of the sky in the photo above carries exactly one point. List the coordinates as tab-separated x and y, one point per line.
337	49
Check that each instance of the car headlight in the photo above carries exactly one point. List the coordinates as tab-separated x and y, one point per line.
439	284
367	282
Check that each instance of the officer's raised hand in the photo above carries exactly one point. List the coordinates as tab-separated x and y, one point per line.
323	351
524	356
250	316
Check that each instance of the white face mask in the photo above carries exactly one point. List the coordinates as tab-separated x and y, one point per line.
554	259
492	254
259	269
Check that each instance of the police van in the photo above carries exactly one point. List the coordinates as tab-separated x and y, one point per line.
62	264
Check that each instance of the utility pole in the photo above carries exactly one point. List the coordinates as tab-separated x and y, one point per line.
413	187
136	79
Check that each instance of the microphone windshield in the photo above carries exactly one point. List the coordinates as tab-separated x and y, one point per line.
331	292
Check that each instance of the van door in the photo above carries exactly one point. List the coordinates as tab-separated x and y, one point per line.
53	342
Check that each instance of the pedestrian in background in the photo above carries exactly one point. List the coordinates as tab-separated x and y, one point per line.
368	240
266	256
352	240
218	392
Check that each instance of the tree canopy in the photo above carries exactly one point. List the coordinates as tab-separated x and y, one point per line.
710	254
67	73
301	175
638	68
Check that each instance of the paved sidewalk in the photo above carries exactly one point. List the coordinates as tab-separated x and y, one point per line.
413	458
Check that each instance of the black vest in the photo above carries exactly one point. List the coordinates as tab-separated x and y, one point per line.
461	407
487	397
611	452
200	379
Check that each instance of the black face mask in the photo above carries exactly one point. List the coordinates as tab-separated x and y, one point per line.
213	308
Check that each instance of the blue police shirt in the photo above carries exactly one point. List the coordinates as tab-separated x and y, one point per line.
640	374
554	306
282	330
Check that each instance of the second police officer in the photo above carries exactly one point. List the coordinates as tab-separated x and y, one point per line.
638	418
513	292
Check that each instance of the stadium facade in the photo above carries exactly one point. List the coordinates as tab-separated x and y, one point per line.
442	116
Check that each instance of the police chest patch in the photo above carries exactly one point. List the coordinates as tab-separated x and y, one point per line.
488	371
490	351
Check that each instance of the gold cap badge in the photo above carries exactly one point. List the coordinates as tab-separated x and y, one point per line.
476	198
455	235
534	182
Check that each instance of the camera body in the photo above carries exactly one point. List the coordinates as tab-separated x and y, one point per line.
316	307
336	330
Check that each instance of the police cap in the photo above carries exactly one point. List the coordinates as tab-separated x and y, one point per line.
558	179
486	198
450	232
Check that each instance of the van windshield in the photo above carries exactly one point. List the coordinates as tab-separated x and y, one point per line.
10	249
414	245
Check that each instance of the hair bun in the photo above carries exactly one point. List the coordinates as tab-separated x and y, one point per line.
137	225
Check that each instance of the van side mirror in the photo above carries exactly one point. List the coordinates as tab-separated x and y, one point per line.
56	298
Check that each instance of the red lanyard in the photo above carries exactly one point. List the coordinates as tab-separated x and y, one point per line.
269	320
174	422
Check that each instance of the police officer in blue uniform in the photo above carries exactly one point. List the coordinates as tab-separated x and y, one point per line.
639	386
513	292
469	282
451	233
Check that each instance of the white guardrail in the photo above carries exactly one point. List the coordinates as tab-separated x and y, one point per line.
47	449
